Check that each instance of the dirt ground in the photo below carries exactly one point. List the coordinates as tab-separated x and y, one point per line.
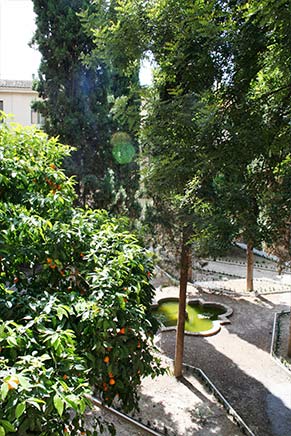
237	359
174	407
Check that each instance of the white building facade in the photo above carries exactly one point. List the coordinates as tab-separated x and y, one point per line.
16	97
18	62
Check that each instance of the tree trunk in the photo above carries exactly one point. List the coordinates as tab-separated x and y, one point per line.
289	340
250	266
185	258
190	269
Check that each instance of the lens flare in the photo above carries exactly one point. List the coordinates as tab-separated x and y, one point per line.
123	150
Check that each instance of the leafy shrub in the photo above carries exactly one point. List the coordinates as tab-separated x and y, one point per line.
74	296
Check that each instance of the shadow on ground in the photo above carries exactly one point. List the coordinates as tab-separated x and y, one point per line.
253	320
262	410
184	408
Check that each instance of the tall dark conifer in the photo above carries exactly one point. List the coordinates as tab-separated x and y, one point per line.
76	104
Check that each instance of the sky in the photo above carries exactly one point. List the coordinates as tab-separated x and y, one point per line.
17	60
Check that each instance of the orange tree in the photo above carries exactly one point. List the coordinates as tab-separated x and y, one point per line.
74	296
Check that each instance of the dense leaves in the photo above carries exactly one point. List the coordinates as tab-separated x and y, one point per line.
216	127
74	296
78	104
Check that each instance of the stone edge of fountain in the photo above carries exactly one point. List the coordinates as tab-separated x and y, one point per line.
222	319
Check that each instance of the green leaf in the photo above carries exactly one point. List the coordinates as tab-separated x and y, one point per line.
24	382
73	401
7	426
35	402
20	409
82	405
59	404
2	431
12	341
4	391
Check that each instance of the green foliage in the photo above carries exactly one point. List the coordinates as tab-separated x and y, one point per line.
79	91
74	296
254	114
216	126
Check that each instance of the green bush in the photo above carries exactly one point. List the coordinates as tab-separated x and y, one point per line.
74	296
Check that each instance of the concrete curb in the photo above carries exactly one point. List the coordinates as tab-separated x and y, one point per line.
221	399
275	339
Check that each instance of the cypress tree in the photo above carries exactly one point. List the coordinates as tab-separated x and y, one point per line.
76	104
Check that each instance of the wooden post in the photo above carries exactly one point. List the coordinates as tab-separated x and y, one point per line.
250	266
179	352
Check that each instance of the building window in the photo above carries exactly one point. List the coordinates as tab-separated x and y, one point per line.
36	118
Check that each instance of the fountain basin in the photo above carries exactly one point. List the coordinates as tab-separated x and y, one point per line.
202	318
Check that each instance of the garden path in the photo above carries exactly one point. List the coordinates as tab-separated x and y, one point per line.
238	359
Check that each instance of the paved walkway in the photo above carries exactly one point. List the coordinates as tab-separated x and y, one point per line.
240	269
238	360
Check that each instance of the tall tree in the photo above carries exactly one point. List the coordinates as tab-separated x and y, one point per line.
76	104
182	38
250	127
256	115
213	128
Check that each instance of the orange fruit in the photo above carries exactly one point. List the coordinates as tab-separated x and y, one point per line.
110	375
122	331
106	359
65	377
105	387
138	345
16	280
13	382
112	381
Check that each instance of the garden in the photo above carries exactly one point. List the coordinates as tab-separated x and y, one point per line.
179	170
